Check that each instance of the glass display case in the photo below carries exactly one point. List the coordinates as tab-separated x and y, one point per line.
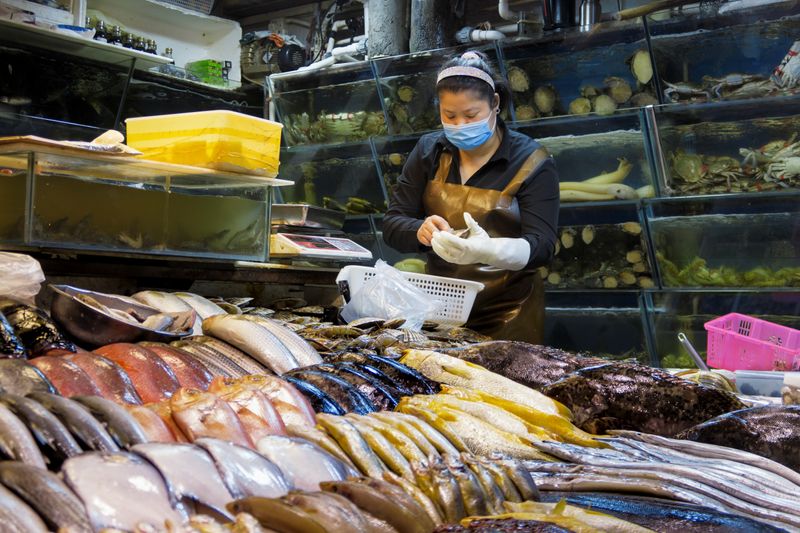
610	325
720	51
609	154
391	154
600	246
669	312
576	72
726	241
408	87
343	177
333	105
732	147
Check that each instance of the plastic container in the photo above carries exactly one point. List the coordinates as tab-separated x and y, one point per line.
756	383
741	342
455	295
222	140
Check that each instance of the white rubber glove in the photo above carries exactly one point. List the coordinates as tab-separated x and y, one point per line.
499	252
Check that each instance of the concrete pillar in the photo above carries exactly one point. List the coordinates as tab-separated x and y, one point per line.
432	25
388	27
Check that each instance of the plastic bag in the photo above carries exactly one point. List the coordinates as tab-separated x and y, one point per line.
20	277
388	294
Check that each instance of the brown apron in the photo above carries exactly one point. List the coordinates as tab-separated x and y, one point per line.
511	305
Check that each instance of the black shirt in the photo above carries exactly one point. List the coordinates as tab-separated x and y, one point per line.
538	197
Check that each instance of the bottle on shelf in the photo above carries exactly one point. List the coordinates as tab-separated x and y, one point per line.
115	36
151	47
91	23
100	32
168	54
127	40
139	44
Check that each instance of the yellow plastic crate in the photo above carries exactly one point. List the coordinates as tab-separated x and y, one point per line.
222	140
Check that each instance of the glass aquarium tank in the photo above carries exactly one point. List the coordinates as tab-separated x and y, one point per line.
408	87
577	72
734	147
600	246
607	154
670	312
726	241
392	153
608	325
333	105
719	51
13	187
341	177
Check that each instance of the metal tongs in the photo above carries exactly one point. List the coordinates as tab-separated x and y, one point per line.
692	352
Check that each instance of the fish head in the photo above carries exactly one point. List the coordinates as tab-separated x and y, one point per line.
222	384
185	398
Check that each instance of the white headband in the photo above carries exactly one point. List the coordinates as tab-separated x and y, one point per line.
472	72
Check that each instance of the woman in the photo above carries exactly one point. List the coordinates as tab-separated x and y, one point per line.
499	184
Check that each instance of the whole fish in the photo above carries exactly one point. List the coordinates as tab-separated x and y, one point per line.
346	395
403	375
10	346
353	444
431	509
154	428
321	439
302	351
638	397
383	500
396	422
16	442
320	401
120	490
202	414
304	465
330	513
190	473
164	412
252	338
190	372
386	452
168	303
362	363
16	516
67	377
398	439
37	332
112	381
529	364
771	431
203	306
247	363
368	523
88	432
256	413
383	397
290	403
278	515
152	378
244	471
447	492
431	434
119	423
44	492
217	363
492	492
55	441
450	370
18	377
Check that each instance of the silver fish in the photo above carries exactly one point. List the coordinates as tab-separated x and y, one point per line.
47	494
16	441
120	424
303	463
244	471
120	490
190	473
204	307
168	303
16	516
247	363
89	433
254	339
305	354
217	364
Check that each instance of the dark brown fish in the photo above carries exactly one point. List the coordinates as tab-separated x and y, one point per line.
638	397
502	525
34	328
10	346
772	431
532	365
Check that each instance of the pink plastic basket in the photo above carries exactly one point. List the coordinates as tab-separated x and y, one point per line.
741	342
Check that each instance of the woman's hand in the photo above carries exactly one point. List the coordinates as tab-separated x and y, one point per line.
431	225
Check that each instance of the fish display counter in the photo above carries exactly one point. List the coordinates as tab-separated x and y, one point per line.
726	241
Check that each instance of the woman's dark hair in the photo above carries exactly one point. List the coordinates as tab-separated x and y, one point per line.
480	61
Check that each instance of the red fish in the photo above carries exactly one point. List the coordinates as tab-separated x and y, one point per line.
164	412
153	426
153	379
191	373
203	414
290	403
257	414
112	381
67	377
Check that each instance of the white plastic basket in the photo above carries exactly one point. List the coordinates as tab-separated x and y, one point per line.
455	296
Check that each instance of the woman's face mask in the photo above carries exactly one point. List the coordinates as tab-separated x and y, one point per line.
461	114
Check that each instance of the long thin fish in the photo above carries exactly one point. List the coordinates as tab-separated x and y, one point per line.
121	425
305	354
213	360
16	516
16	442
84	427
236	356
18	377
254	339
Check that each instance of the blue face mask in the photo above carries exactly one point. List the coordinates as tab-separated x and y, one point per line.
470	135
